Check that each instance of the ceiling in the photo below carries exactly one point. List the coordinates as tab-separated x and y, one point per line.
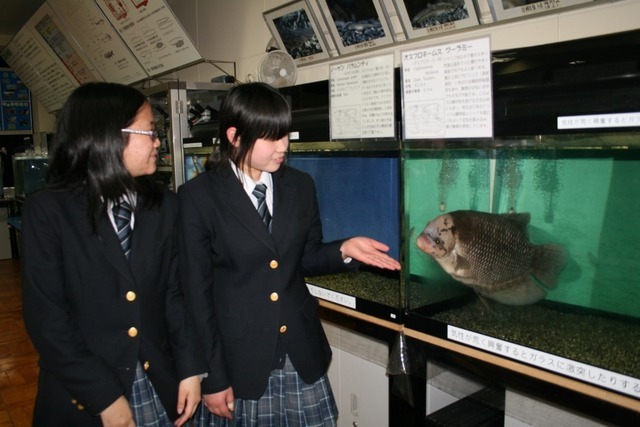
14	14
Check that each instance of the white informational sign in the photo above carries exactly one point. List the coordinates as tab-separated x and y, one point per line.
39	69
599	121
46	25
540	359
447	91
98	40
67	43
332	296
152	32
362	99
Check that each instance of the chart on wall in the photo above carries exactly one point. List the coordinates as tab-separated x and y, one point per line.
152	32
40	70
97	38
15	114
67	43
446	90
362	99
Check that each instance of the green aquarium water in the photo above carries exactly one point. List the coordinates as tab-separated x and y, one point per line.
582	192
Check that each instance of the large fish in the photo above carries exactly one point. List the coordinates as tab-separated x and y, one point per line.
492	254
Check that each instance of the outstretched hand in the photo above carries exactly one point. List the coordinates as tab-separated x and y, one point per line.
369	251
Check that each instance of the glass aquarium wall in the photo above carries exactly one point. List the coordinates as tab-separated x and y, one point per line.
544	256
358	195
29	173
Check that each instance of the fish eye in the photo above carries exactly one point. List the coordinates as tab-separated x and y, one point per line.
437	241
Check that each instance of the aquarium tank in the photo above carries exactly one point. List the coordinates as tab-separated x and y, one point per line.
541	266
358	195
29	173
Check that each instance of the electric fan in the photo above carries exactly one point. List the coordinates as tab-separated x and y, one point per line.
278	69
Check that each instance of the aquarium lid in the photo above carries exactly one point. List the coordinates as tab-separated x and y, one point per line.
591	84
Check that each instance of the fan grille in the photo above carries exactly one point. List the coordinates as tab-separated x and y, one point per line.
278	69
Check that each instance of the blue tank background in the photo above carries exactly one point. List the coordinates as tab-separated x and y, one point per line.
357	196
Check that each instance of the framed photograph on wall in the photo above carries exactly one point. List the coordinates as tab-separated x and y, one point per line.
356	25
422	18
296	30
507	9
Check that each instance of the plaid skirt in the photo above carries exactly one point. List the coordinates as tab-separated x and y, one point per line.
145	403
287	402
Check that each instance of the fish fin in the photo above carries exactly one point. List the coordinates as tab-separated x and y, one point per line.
486	303
520	220
461	267
548	263
522	290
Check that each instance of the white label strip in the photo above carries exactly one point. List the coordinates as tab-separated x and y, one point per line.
599	121
570	368
332	296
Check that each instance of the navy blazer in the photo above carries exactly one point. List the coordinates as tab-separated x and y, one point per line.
92	315
247	286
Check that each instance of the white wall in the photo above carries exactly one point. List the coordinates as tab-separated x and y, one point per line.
236	31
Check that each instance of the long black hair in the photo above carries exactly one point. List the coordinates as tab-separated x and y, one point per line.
257	111
88	145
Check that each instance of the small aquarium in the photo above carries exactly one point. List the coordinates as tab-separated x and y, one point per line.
358	195
528	248
197	152
29	173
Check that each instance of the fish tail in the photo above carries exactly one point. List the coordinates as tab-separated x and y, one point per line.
548	263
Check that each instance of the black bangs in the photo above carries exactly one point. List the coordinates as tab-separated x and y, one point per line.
254	111
271	119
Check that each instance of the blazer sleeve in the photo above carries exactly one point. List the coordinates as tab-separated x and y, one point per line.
185	344
47	314
196	273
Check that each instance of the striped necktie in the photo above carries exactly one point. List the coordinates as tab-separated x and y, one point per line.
261	194
122	217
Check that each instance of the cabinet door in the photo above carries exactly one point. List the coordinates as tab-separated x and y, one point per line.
361	389
168	109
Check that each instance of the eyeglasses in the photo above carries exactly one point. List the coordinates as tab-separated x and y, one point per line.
153	134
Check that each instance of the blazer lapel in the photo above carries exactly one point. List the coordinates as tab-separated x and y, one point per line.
240	206
143	234
111	246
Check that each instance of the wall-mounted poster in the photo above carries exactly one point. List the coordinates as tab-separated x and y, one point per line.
15	99
152	32
362	99
99	41
447	91
356	25
49	81
506	9
296	30
422	18
49	28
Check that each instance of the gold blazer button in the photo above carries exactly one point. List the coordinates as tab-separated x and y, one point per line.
146	365
132	332
273	264
274	296
130	296
283	329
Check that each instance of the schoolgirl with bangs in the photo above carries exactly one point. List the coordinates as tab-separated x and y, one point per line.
244	255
